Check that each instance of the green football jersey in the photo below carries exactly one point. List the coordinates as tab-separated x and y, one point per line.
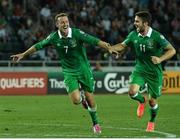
72	53
144	47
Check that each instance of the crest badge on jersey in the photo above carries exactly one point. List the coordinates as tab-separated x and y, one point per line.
135	41
150	44
73	43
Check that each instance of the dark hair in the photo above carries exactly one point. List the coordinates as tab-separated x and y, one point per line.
145	16
60	15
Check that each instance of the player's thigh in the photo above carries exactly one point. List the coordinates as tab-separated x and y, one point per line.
136	78
154	86
71	83
87	82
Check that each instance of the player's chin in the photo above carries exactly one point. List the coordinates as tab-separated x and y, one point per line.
64	30
137	29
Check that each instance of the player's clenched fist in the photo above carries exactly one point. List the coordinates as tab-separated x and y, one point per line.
155	59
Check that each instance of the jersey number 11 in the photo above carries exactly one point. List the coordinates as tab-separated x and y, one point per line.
142	48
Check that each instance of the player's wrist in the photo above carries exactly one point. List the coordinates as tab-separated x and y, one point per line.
107	45
161	60
24	54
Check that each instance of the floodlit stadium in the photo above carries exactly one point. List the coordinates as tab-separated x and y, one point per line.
125	57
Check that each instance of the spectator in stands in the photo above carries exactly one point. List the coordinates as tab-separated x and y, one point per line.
51	54
6	9
3	29
45	15
96	11
178	55
18	12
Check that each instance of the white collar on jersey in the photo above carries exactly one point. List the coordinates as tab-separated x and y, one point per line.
69	33
148	34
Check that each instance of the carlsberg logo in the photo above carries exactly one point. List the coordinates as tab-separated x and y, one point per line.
113	83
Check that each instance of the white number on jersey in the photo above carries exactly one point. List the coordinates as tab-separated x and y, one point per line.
66	49
142	48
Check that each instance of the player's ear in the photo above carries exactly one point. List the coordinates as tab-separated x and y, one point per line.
146	23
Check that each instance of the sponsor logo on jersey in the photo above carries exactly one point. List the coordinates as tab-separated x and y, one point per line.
82	32
162	37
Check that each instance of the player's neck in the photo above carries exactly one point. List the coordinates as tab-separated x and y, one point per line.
64	34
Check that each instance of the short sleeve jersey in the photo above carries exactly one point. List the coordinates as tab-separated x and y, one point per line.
144	48
72	53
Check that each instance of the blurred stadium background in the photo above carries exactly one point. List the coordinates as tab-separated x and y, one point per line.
25	22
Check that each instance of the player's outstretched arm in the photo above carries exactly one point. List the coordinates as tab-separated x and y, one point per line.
170	52
108	47
118	47
104	45
18	57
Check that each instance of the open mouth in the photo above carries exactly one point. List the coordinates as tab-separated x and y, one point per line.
65	27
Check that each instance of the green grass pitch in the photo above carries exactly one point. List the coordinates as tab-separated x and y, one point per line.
55	116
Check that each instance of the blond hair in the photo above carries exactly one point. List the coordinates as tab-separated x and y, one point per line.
60	15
